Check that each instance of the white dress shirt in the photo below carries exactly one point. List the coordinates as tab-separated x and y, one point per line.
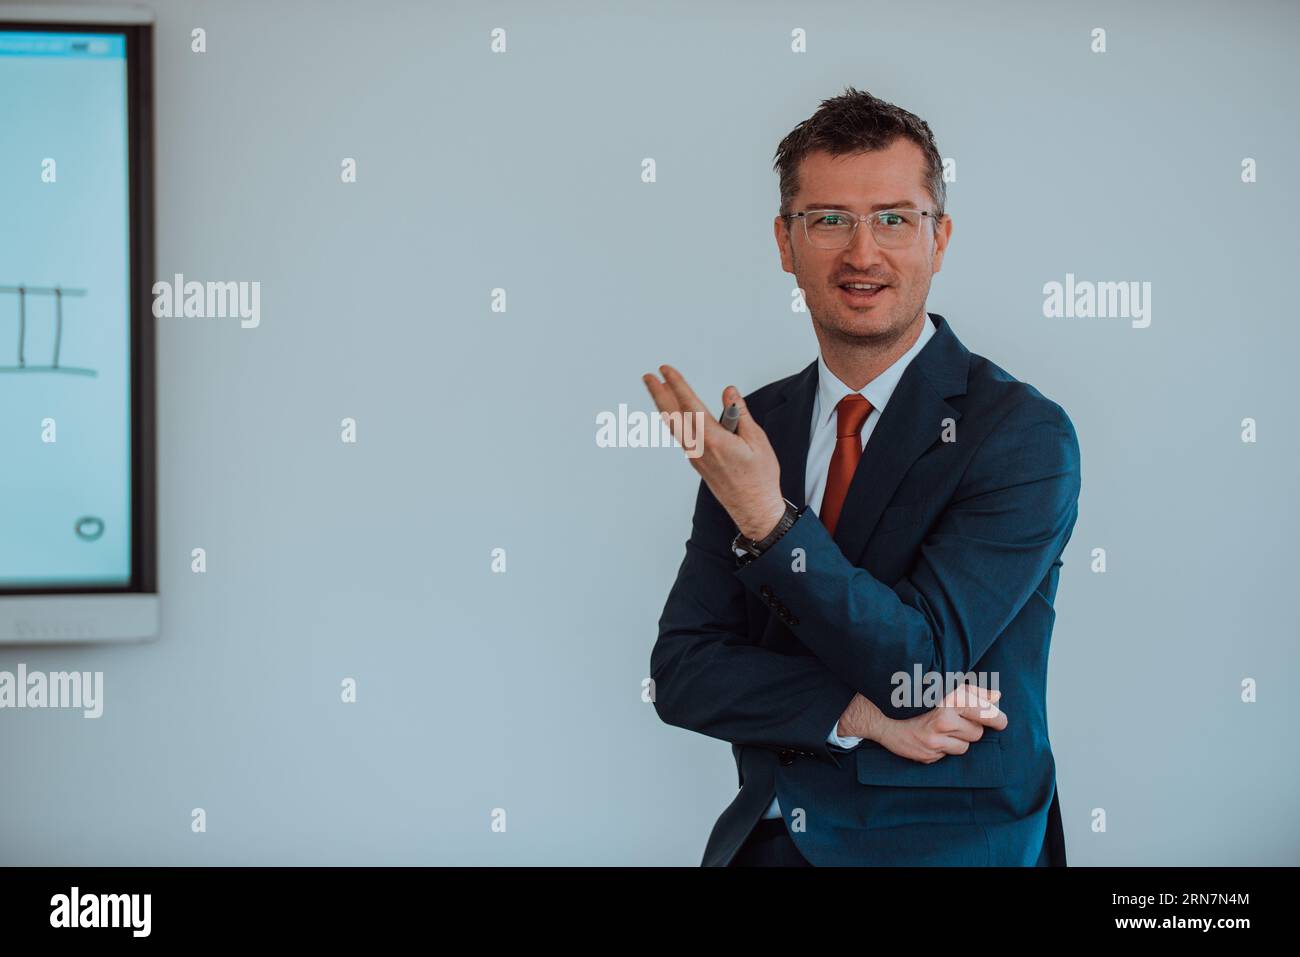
821	445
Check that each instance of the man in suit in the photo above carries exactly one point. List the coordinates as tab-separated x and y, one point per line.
897	509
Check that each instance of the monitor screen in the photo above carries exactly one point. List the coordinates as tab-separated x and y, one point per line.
75	367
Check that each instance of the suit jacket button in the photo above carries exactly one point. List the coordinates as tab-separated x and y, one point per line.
787	757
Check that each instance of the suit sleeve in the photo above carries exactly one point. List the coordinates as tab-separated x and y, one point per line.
1010	519
709	678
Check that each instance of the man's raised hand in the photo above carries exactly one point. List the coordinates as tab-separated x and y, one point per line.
741	470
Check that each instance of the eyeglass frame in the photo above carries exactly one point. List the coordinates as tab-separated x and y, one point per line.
856	221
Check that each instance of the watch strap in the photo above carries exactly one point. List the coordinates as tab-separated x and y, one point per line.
747	549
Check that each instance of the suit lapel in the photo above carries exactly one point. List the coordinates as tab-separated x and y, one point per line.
788	429
911	423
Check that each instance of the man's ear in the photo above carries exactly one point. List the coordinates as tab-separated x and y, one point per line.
942	234
783	244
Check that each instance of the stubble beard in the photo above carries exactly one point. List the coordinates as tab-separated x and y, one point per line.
839	335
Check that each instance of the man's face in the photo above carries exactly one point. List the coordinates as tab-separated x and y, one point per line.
857	183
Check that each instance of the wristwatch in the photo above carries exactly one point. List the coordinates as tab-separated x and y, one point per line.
747	549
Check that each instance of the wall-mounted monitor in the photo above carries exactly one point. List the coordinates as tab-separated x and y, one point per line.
77	404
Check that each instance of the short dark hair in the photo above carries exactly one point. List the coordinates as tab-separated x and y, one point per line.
857	122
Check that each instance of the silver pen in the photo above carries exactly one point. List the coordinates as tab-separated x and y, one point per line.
731	417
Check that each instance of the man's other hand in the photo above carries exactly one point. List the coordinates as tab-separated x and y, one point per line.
948	729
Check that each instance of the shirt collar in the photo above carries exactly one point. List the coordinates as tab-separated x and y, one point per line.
830	390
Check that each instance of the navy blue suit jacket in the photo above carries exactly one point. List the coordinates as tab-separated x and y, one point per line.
946	555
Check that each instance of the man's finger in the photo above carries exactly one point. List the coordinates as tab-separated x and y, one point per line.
707	428
950	745
687	400
689	435
664	398
967	729
969	694
666	401
991	716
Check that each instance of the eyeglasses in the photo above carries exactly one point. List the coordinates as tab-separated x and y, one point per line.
835	228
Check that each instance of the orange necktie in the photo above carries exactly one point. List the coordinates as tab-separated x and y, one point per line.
850	413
